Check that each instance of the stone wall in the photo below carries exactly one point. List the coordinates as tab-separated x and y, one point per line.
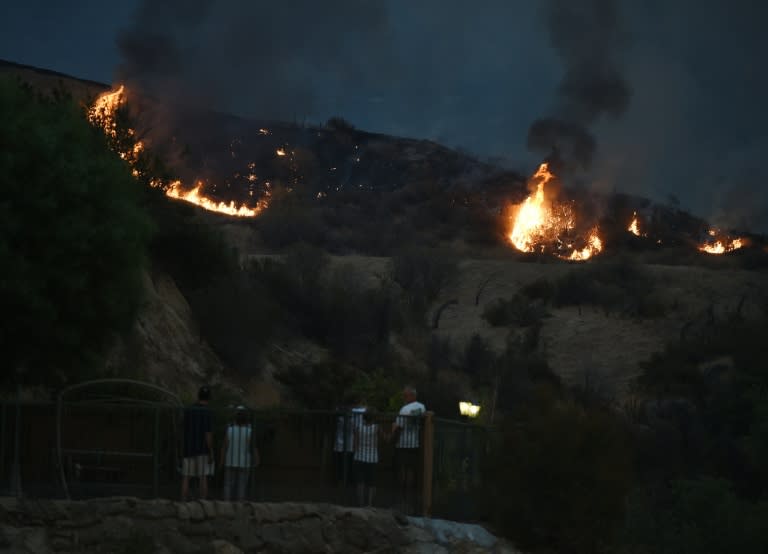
128	525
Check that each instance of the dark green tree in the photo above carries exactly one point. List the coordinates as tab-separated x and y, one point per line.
72	239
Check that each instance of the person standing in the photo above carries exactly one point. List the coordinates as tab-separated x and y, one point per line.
407	429
198	444
343	448
366	457
238	455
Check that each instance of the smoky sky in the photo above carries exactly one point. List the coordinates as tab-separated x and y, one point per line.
473	75
275	60
588	38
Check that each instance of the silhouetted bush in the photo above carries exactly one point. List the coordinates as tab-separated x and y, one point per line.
704	516
422	274
518	310
540	289
237	318
339	124
73	240
321	386
335	307
290	220
187	248
439	355
478	359
560	477
620	286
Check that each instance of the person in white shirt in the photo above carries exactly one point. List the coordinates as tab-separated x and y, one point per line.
366	456
238	455
343	447
407	433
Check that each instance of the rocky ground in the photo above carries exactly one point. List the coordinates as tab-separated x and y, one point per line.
129	525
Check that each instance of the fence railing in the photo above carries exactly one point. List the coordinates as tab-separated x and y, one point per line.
417	464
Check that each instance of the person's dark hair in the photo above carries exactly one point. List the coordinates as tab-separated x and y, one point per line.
204	394
369	415
241	417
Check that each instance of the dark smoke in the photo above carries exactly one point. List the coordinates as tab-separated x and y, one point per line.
588	38
253	57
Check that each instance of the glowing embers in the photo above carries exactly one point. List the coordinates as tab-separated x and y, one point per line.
541	224
721	244
103	114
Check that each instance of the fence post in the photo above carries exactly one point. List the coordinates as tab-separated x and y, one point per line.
156	456
2	442
428	451
16	472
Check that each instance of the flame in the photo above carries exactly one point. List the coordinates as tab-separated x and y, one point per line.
104	107
194	196
533	214
594	246
102	114
537	223
280	151
633	227
722	246
722	243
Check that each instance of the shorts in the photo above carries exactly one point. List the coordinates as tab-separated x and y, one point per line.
365	473
196	466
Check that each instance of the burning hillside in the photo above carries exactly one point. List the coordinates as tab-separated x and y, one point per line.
720	243
544	224
103	113
548	221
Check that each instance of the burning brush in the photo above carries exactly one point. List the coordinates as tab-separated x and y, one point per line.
720	243
103	114
544	224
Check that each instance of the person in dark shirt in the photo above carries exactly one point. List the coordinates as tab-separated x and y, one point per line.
198	444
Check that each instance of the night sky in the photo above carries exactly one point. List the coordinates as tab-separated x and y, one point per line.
473	75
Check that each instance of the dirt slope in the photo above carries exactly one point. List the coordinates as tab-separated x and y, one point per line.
586	342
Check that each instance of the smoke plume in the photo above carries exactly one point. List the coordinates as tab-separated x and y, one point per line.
589	40
252	57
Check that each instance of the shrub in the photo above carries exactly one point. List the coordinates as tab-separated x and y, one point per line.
703	516
339	124
540	289
422	274
187	248
518	310
237	317
478	358
73	239
621	285
560	476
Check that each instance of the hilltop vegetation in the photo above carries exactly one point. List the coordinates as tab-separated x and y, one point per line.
72	239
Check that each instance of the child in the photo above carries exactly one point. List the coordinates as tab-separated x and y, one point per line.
238	455
366	438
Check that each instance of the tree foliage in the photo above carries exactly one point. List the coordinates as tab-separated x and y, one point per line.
561	475
72	237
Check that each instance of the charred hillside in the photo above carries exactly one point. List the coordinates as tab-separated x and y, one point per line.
349	190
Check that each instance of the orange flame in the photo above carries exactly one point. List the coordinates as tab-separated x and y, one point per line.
533	213
633	227
722	246
102	114
194	196
594	246
537	222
